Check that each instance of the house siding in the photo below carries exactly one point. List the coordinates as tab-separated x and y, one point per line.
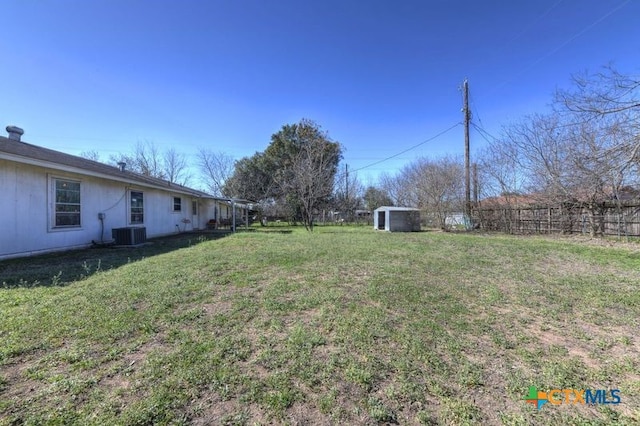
26	225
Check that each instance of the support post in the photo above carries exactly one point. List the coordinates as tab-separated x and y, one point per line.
233	215
467	174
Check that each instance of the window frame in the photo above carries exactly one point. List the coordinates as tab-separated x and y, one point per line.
139	209
53	211
177	204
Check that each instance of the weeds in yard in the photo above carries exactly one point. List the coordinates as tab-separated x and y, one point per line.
55	280
342	326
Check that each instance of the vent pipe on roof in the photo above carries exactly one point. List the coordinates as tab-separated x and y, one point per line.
122	165
15	132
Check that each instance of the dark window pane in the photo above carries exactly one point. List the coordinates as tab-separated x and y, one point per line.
137	207
67	204
67	208
67	219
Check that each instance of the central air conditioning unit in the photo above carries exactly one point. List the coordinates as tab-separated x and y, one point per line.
129	236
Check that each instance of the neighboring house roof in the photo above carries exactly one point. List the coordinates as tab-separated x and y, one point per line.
22	152
627	193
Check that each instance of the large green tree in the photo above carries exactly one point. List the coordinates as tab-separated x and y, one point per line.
297	169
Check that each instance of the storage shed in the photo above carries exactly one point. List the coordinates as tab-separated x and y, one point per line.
396	219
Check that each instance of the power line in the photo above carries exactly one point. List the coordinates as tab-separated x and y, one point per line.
482	132
563	44
584	30
545	56
475	108
534	22
408	149
485	134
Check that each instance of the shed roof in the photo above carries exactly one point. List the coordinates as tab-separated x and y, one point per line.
397	209
26	153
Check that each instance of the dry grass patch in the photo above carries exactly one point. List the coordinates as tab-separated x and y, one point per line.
343	327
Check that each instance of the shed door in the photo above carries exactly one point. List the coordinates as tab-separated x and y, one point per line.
381	219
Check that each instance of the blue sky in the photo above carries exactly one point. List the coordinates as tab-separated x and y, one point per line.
379	76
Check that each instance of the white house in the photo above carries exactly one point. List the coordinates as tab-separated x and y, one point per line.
56	201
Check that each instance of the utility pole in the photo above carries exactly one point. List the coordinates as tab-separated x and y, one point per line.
346	182
467	174
346	191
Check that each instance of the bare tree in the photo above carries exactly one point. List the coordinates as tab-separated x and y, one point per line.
501	181
395	186
148	159
91	154
539	149
561	161
216	169
434	185
606	92
308	178
376	197
145	159
612	100
577	157
128	159
599	167
499	171
348	195
439	186
175	167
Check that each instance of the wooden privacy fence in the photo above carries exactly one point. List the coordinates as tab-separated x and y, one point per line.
607	218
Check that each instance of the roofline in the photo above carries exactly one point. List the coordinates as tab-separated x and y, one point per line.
62	167
397	208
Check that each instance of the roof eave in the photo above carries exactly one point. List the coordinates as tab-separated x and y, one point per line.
113	177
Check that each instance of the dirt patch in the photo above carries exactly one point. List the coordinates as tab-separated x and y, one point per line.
326	352
210	410
18	385
603	343
121	372
554	266
121	379
547	337
217	308
303	414
36	379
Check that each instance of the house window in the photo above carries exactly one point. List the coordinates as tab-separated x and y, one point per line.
194	207
67	204
137	207
177	204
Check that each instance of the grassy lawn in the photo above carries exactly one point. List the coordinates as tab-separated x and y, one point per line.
344	326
